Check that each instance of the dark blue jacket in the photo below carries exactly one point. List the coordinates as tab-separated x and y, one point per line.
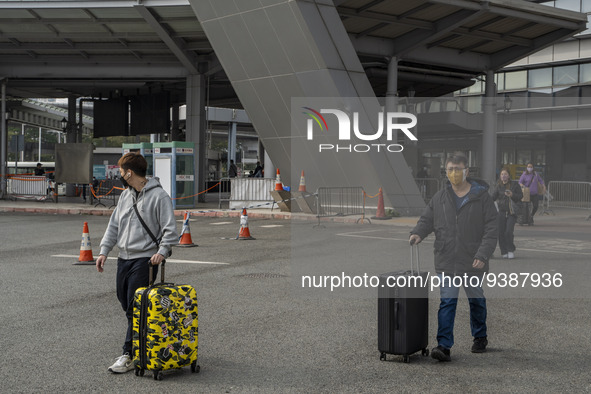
460	235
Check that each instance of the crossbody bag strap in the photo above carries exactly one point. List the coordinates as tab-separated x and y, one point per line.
145	226
532	180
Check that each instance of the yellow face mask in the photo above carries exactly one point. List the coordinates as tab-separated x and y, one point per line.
456	176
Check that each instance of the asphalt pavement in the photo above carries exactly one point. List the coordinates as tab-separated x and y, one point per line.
261	332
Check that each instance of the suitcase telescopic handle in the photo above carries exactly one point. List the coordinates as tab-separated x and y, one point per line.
151	272
414	251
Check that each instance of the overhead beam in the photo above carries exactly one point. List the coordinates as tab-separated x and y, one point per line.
526	11
66	21
176	45
486	23
442	27
381	48
373	28
369	5
474	46
120	45
376	16
507	56
92	59
384	19
81	71
524	42
26	4
84	35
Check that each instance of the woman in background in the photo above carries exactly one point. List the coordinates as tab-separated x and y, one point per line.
508	197
530	179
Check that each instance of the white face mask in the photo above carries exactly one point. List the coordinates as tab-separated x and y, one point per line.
529	169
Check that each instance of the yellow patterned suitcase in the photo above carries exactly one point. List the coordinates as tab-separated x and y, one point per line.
165	329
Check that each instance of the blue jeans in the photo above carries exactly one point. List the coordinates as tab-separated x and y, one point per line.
447	311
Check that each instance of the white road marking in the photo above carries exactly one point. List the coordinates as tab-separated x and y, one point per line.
356	235
218	223
272	225
167	260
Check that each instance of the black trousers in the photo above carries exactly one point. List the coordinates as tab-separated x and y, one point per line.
131	275
531	208
535	201
506	226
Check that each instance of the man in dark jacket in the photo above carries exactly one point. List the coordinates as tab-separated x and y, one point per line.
464	219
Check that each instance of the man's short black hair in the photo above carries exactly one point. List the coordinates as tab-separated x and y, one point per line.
457	158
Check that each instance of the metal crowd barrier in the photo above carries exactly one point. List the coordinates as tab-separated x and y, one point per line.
340	201
246	191
107	193
223	191
565	194
29	187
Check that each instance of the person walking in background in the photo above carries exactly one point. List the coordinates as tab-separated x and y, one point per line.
233	170
508	197
531	179
464	218
39	171
258	171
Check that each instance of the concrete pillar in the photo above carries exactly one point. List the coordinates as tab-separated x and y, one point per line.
196	128
489	133
39	145
71	137
3	142
391	103
175	134
231	143
71	128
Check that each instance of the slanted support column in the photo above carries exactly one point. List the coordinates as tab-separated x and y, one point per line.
489	133
195	128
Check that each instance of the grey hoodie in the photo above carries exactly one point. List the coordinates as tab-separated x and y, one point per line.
126	231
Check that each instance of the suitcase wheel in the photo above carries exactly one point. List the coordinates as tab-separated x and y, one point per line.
157	375
383	356
405	359
195	368
425	352
139	371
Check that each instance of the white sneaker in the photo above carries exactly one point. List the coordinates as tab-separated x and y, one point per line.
122	364
505	256
510	255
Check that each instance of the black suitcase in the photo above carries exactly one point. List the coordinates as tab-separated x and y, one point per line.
403	313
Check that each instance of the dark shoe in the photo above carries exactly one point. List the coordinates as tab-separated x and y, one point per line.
479	345
440	353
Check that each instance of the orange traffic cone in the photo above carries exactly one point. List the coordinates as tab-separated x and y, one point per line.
185	238
85	248
244	233
278	184
302	187
381	213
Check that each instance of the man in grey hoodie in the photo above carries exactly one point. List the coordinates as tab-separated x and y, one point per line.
136	247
